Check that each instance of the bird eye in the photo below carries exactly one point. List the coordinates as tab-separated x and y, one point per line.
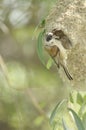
48	38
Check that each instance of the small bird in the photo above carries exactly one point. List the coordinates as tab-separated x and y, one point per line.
56	44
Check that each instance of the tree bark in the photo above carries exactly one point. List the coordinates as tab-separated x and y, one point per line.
70	17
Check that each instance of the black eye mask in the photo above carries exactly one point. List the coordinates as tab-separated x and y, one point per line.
48	38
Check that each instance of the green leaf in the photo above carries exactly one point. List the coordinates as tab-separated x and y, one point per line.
78	121
79	99
54	125
56	109
49	63
64	125
84	98
71	98
84	120
40	47
42	24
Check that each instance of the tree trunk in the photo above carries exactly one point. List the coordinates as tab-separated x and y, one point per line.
70	17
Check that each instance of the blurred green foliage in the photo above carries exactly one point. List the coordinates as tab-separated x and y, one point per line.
27	89
70	114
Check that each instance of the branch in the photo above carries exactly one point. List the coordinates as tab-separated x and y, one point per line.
36	104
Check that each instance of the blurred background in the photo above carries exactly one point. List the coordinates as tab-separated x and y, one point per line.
28	91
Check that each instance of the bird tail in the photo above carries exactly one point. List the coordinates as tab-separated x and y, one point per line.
65	69
67	73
